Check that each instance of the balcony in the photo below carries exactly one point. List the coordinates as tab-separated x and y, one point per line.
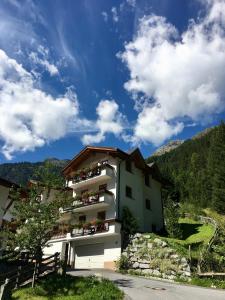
94	175
90	230
100	199
93	230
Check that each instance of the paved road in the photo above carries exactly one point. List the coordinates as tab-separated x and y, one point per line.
137	288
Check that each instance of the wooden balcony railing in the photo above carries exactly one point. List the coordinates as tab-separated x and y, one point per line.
91	229
89	199
91	172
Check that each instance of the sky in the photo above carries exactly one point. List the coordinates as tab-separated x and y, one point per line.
129	73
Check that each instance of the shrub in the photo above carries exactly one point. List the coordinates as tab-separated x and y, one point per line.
123	263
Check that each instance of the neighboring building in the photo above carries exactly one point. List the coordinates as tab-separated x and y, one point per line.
104	180
6	202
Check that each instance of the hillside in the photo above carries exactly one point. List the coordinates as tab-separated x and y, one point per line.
197	169
21	172
168	147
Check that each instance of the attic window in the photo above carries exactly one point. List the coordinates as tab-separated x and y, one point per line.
128	166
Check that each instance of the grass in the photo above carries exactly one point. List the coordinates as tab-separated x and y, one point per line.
194	234
57	287
205	282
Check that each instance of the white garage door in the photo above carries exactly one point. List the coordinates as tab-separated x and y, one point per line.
89	256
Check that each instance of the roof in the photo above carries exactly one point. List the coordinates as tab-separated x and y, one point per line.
84	153
133	154
7	183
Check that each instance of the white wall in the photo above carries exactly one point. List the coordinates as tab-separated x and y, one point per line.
4	193
141	192
52	248
111	186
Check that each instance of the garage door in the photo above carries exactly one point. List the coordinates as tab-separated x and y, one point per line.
89	256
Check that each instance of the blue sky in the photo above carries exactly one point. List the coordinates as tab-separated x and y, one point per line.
117	73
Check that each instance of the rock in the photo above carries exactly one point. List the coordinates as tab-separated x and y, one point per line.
158	241
147	271
174	256
171	277
144	261
156	273
125	254
133	259
187	274
150	245
135	265
137	235
183	260
144	266
164	244
188	269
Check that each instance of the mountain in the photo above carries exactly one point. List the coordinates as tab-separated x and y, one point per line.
176	143
168	147
196	169
21	172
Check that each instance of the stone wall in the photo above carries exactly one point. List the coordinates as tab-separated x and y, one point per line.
151	256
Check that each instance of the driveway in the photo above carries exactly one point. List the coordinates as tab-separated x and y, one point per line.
137	288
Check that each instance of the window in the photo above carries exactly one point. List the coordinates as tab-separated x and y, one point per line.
128	166
101	215
148	204
147	180
128	191
82	219
102	187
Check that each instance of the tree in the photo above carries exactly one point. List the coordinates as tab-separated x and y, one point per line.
172	215
129	225
37	217
216	167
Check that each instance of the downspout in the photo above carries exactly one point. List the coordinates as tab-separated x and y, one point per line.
118	191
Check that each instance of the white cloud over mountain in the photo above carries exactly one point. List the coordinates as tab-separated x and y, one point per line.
179	76
29	117
109	120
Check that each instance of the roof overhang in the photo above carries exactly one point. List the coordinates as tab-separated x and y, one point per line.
85	153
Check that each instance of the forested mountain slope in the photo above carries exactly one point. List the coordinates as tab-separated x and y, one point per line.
21	172
197	169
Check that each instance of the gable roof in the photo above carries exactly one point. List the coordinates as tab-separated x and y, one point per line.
7	183
84	153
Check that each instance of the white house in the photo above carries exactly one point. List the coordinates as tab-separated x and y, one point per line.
6	202
104	180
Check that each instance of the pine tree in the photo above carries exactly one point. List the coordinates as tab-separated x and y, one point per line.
216	167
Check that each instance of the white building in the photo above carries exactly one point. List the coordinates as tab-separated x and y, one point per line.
104	180
6	202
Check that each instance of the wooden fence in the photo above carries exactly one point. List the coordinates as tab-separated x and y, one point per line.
26	273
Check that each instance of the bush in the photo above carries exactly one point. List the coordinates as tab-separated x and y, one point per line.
123	263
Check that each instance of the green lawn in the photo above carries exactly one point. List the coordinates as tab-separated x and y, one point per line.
194	234
56	287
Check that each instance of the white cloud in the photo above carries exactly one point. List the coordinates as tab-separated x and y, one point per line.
110	120
180	77
115	15
131	2
30	118
105	16
43	61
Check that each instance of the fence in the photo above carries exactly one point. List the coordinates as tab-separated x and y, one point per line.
29	272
